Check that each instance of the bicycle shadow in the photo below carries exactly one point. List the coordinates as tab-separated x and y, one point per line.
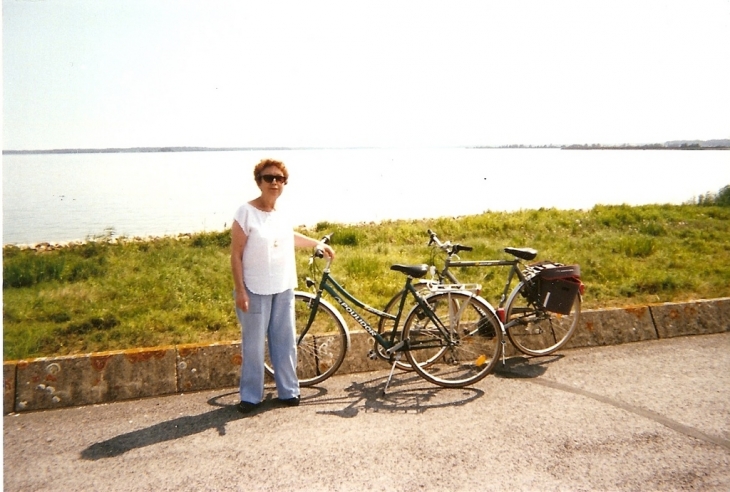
171	430
406	395
521	367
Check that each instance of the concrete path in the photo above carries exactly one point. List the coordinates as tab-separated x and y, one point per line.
642	416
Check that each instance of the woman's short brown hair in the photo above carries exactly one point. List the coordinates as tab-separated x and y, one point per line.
266	163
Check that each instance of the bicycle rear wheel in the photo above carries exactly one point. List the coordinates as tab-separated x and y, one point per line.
534	330
465	352
322	350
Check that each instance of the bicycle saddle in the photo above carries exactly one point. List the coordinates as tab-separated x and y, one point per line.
416	271
523	253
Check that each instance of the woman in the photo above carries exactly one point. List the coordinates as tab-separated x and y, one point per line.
264	277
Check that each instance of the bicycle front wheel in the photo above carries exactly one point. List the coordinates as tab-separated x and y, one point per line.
532	329
461	348
321	351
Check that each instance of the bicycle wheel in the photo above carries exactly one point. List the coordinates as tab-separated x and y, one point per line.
466	351
535	331
322	350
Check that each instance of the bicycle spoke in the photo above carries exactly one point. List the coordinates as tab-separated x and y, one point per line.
460	350
534	331
322	350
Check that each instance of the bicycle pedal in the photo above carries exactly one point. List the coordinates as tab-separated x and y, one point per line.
372	355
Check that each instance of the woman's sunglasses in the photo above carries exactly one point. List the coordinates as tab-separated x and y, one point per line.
270	178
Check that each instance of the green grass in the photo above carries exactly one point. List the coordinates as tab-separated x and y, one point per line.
106	295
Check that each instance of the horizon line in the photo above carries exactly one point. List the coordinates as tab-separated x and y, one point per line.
328	147
227	149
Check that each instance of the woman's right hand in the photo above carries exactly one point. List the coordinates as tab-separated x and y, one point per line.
242	300
326	249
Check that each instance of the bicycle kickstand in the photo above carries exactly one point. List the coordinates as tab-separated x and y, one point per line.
504	345
396	358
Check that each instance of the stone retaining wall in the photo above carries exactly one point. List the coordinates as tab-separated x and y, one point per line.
56	382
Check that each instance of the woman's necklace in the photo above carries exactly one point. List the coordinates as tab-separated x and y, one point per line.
267	211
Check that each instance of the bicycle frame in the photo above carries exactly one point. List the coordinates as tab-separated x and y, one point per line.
514	271
333	288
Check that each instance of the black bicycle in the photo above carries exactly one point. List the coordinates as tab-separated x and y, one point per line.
450	335
539	315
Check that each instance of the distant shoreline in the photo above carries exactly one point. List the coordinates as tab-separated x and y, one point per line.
645	147
676	145
147	150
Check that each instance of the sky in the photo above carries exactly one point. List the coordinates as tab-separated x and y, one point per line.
213	73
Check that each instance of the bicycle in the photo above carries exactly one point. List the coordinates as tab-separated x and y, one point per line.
451	336
539	315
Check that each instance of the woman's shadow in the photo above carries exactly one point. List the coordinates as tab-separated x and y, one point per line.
167	431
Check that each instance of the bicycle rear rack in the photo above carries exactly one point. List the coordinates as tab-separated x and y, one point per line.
434	286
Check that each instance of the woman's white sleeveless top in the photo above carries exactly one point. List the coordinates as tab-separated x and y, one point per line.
269	265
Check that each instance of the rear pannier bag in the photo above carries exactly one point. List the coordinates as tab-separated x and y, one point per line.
556	285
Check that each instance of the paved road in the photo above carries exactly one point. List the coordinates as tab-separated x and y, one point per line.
643	416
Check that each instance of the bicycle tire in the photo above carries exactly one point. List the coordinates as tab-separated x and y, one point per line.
538	332
323	349
474	345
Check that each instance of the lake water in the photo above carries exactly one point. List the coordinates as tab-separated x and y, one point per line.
64	197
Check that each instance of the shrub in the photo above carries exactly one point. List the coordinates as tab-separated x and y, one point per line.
219	239
721	199
653	229
28	269
85	269
323	226
346	236
636	246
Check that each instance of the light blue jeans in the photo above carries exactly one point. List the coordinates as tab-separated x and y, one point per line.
269	316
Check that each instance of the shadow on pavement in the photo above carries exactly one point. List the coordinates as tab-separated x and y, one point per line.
525	367
170	430
405	394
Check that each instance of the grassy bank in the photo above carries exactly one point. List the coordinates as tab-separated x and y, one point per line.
112	294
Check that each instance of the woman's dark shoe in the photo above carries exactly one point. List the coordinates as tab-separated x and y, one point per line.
246	407
290	402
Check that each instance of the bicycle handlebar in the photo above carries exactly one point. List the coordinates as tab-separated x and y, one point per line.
451	249
319	252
